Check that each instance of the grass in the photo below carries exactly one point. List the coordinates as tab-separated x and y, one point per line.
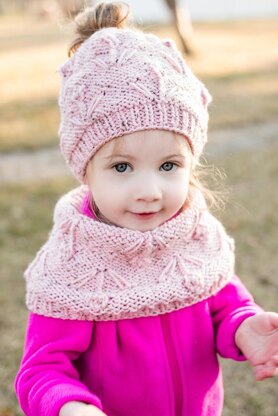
237	61
251	217
25	220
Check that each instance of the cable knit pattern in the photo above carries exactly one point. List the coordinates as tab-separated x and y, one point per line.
120	81
89	270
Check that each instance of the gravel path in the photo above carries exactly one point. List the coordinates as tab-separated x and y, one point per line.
22	167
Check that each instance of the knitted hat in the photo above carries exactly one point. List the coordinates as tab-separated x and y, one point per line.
120	81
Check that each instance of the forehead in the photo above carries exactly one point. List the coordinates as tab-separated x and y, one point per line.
149	142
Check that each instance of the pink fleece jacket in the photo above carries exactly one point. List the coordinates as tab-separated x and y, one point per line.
164	365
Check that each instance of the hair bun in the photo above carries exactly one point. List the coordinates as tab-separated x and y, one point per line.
92	19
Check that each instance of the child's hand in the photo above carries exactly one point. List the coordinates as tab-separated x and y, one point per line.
80	409
257	338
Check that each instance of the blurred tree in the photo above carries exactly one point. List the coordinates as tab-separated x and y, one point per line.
12	6
182	23
67	8
70	8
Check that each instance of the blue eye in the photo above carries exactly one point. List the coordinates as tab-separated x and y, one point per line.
168	166
121	167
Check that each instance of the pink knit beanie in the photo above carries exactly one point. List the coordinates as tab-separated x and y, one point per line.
120	81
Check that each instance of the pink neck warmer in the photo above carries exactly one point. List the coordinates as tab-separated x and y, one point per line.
89	270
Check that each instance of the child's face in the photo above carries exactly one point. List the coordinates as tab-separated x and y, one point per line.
141	180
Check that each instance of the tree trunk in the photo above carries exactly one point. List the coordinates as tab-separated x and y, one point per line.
70	8
183	26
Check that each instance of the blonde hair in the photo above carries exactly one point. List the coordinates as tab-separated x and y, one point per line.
92	19
209	180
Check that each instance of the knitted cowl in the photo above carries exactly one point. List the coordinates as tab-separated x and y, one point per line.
89	270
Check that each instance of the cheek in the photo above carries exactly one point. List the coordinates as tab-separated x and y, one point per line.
178	190
106	195
181	182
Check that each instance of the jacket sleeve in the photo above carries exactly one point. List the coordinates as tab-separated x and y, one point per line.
229	307
47	378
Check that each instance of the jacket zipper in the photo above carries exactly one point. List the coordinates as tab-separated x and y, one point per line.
176	376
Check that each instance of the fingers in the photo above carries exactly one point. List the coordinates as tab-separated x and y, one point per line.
270	369
274	360
273	319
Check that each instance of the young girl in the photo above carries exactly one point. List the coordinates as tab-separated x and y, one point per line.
134	293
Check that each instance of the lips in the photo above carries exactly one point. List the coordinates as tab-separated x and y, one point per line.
144	214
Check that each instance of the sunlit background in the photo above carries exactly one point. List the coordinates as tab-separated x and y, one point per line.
233	48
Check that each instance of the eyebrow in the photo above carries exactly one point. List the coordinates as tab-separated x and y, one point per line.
123	156
119	155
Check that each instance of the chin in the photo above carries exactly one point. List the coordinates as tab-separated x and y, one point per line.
147	227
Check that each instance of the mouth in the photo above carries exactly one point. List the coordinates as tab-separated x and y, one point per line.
145	215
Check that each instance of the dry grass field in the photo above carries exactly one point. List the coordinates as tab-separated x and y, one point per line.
239	63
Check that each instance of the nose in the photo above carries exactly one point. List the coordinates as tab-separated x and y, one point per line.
148	190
